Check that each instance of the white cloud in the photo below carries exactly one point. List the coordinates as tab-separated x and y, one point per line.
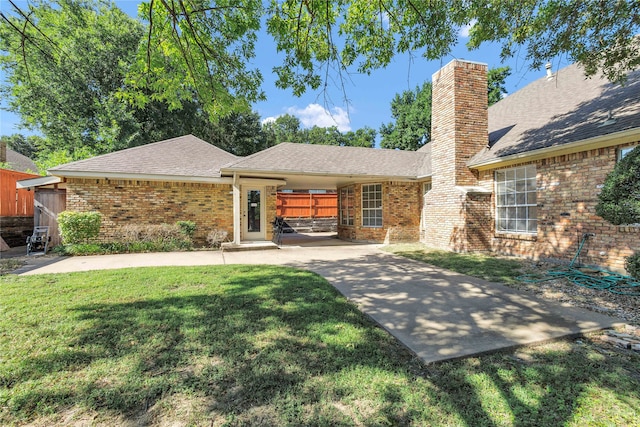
270	119
317	115
464	31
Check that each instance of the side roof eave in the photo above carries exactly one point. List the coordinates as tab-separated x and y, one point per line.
603	141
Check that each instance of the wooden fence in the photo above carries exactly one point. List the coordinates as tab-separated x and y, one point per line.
303	205
15	202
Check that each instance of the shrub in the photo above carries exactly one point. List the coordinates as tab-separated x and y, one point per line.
216	237
619	200
79	227
187	227
153	237
632	265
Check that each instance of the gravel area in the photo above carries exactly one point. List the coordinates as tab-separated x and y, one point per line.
561	290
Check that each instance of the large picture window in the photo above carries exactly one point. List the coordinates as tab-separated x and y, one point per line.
516	204
372	205
347	199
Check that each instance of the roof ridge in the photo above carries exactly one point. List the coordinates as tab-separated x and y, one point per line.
141	147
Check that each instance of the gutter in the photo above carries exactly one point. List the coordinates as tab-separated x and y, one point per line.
141	177
254	172
602	141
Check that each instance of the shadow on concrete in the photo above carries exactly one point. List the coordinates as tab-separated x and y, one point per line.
441	315
29	262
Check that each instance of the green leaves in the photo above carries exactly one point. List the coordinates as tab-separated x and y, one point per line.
412	113
601	35
197	50
619	200
79	227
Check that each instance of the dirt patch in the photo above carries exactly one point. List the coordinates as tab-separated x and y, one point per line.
625	307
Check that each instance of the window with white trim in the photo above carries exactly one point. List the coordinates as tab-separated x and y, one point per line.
347	199
516	200
372	205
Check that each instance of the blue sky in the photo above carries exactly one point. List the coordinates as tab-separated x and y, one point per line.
369	95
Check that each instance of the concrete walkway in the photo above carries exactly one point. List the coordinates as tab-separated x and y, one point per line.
438	314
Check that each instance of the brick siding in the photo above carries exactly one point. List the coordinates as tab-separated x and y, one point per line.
123	202
401	202
568	188
455	219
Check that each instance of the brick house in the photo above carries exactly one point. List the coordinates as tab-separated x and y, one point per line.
520	177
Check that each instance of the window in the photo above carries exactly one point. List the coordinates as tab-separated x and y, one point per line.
516	205
372	205
624	151
346	205
426	187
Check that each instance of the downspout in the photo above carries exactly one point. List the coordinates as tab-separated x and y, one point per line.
237	214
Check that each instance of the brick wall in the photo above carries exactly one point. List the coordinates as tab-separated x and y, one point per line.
271	201
123	202
568	188
455	219
401	202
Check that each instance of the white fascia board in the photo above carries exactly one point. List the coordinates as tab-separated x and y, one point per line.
262	181
37	182
282	174
143	177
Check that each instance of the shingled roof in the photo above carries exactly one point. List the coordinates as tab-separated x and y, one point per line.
20	162
184	156
565	108
327	159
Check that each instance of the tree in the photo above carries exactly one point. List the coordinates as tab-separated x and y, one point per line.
412	113
323	136
238	133
495	83
285	128
202	48
619	200
66	76
363	137
27	146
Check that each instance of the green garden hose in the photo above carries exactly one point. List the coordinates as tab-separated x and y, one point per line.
597	278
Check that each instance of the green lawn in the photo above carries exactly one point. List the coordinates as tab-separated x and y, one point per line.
263	345
487	267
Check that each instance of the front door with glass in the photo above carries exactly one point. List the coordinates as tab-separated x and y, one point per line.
253	214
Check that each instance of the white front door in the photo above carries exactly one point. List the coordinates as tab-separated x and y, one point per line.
253	213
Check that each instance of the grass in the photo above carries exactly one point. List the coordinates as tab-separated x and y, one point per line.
268	345
487	267
9	264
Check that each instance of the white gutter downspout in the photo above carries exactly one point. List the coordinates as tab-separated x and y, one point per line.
237	216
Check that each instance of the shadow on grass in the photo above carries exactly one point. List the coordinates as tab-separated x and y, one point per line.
489	268
286	340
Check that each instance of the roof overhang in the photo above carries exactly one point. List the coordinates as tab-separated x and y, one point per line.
603	141
142	177
38	182
314	180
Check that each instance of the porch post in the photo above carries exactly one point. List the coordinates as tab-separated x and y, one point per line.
237	214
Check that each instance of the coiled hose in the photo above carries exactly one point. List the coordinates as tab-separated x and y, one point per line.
600	279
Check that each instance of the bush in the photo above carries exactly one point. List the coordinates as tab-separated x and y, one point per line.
216	237
79	227
619	200
187	227
632	265
151	237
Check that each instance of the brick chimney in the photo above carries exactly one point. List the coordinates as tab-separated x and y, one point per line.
459	120
457	213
